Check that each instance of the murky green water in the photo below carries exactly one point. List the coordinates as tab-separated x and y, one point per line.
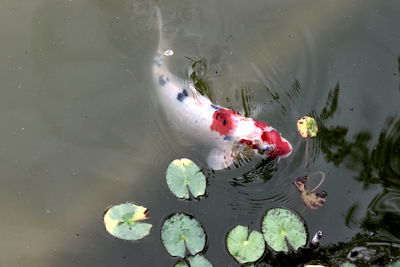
81	128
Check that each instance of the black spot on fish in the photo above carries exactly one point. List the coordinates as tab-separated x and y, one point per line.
181	96
215	107
161	80
224	122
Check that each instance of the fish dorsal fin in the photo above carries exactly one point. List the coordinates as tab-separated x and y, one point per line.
197	96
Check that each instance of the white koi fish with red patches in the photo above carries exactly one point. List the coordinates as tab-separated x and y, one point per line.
230	134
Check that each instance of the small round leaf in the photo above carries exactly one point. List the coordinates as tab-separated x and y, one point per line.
179	232
123	221
244	247
281	226
184	175
181	263
349	264
199	261
307	127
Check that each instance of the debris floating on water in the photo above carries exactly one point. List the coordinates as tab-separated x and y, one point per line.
168	52
307	127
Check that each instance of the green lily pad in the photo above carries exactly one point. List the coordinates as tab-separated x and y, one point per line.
347	264
199	261
394	264
123	221
181	231
183	175
281	226
244	247
181	263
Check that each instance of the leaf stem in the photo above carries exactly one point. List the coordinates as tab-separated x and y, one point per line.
320	182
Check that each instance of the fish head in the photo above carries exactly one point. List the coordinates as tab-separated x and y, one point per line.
271	143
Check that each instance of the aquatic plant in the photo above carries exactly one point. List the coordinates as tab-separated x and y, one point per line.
194	261
307	127
311	199
124	221
183	175
244	247
180	232
282	228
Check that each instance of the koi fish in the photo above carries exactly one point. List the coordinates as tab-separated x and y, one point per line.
231	136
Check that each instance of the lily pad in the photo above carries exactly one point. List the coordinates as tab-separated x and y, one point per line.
311	199
244	247
307	127
181	231
199	261
183	175
194	261
123	221
181	263
394	264
348	264
282	227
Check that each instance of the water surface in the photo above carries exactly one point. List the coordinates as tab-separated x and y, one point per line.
81	127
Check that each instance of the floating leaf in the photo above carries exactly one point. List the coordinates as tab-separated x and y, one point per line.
244	247
179	232
123	221
311	200
184	175
181	263
281	226
396	263
307	127
199	261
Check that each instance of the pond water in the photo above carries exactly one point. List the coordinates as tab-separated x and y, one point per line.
82	128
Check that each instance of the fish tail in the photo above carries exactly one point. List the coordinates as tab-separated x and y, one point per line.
162	45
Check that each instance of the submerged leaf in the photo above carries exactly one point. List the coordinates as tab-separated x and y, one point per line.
123	221
244	247
183	175
199	261
282	227
307	127
179	232
311	200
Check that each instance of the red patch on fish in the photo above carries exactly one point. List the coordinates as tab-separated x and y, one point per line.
248	143
274	138
260	124
224	121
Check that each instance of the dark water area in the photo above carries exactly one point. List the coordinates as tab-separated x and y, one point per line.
82	128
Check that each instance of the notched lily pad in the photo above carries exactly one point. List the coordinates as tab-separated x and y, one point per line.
181	263
124	221
307	127
183	175
194	261
244	247
199	261
311	199
282	228
181	231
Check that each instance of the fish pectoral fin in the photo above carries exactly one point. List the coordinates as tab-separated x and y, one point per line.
219	159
